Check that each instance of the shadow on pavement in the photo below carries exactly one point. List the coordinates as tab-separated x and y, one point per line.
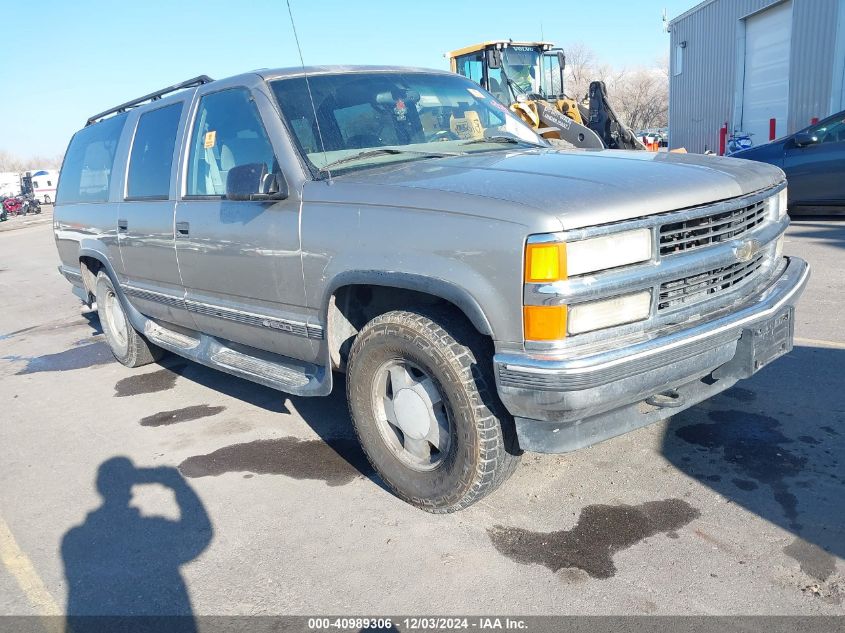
122	563
335	458
825	229
775	445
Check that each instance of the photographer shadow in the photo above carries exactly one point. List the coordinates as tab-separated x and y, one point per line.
120	564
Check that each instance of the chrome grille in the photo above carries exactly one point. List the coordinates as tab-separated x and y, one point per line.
679	237
704	286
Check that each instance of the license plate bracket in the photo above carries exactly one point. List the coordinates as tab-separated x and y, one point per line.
760	344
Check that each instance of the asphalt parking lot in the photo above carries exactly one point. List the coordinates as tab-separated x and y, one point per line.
259	503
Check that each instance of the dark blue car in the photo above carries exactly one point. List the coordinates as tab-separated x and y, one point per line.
814	162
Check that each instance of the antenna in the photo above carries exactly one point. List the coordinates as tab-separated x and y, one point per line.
665	21
308	87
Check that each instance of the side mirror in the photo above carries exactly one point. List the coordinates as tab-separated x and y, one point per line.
494	58
802	139
252	182
561	59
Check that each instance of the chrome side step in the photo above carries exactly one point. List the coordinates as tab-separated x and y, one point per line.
274	371
229	359
163	336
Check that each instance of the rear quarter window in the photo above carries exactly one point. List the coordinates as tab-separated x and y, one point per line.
89	162
152	153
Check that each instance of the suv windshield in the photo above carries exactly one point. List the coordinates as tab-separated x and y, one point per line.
417	114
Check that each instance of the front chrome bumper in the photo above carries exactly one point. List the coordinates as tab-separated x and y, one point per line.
561	404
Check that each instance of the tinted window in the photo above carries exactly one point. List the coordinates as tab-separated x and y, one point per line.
87	169
831	131
152	153
227	133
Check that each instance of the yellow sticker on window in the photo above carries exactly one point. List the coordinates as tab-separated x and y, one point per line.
210	139
475	93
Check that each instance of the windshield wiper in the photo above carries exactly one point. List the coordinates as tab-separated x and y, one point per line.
510	140
370	153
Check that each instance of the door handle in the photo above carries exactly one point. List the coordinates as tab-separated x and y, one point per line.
183	228
122	225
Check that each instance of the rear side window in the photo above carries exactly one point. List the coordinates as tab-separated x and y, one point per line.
228	132
152	153
89	162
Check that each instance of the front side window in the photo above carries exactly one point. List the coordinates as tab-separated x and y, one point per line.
407	116
228	133
89	162
152	153
830	131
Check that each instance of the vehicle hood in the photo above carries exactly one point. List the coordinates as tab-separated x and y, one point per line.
579	187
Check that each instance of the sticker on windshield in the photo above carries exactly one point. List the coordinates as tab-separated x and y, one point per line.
475	93
210	139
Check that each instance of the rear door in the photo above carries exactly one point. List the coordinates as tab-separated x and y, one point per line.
239	260
814	172
145	217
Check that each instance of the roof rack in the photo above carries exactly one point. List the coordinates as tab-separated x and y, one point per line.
153	96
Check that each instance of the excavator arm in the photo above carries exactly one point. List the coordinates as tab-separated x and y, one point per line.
604	122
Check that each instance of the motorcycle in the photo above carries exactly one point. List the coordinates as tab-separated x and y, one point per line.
12	206
30	204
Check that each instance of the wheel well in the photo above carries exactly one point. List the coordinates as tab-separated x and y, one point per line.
88	268
353	306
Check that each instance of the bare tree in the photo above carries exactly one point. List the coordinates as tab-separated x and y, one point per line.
640	97
580	66
10	162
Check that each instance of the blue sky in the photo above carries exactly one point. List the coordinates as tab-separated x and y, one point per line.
76	58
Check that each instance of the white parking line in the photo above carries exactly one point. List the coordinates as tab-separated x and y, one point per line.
819	342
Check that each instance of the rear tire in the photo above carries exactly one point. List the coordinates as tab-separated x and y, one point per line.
129	347
403	364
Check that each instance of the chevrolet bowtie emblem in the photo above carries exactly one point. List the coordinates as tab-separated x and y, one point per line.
746	251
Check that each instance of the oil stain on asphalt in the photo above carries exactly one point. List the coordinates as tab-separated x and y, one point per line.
160	380
601	531
753	444
186	414
814	561
77	357
336	461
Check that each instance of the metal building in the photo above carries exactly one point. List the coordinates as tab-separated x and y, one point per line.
745	62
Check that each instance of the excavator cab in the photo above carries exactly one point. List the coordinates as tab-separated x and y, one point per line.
529	78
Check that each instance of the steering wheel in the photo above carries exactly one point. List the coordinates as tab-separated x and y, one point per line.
443	135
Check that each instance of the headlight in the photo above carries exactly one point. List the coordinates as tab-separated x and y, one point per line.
779	203
595	315
608	251
554	261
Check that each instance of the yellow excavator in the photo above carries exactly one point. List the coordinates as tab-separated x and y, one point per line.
528	78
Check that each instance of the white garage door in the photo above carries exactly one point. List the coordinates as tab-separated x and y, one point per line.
765	93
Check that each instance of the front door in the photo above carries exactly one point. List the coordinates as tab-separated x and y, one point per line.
240	261
814	172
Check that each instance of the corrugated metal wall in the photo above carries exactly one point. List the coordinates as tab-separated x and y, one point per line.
703	96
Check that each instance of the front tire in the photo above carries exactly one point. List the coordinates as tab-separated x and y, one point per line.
423	404
127	345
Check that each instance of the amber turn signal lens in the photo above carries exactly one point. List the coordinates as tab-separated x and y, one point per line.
545	262
544	323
